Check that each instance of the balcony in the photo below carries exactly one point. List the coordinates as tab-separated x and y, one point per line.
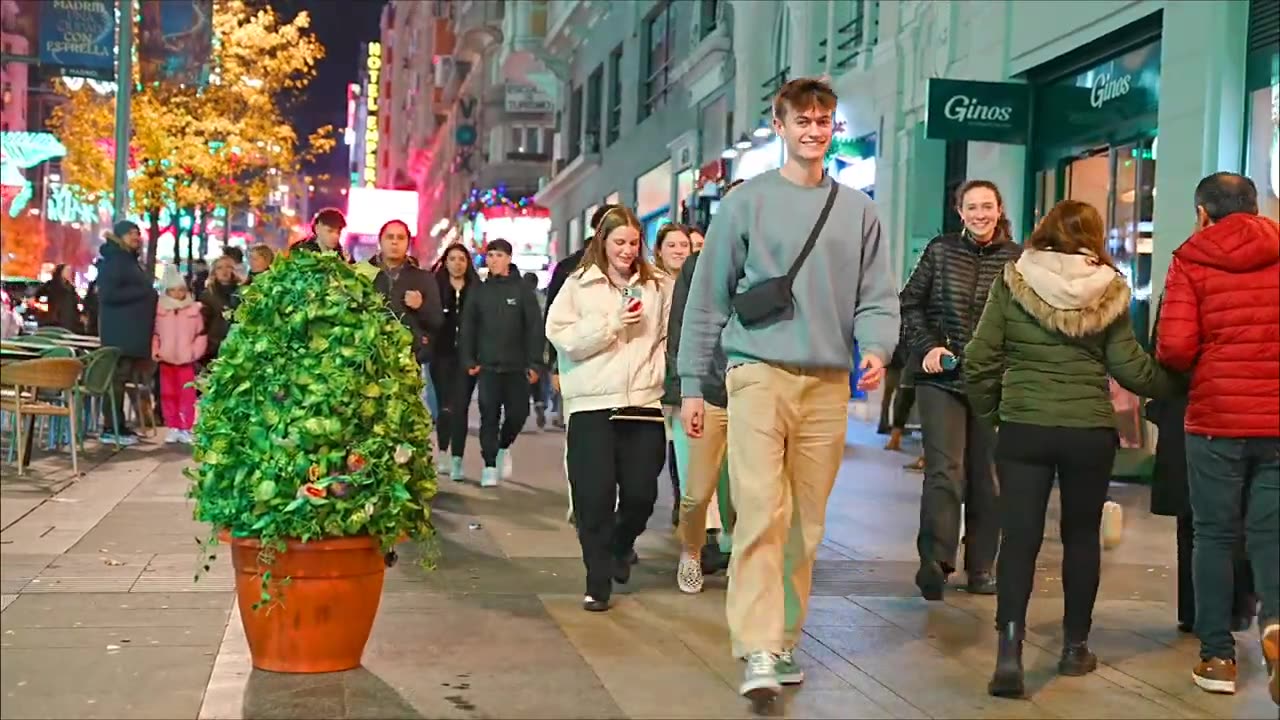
568	172
568	21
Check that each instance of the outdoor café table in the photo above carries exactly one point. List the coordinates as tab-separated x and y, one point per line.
10	351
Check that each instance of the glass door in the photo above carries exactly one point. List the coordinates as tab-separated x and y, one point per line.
1119	182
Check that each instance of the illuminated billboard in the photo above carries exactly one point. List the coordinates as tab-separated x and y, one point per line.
368	208
373	76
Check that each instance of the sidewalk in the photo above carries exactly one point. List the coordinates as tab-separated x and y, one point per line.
101	616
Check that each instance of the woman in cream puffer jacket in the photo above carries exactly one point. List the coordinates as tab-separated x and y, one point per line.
609	328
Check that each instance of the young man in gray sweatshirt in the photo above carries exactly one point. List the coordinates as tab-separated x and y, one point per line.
788	378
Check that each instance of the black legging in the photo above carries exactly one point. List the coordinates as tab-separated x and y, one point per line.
1027	459
454	389
899	397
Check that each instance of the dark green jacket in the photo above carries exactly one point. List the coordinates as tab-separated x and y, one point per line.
1030	362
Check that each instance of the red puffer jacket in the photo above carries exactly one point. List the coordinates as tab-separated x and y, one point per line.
1221	321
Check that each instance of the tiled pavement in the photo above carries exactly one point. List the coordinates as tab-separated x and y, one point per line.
101	617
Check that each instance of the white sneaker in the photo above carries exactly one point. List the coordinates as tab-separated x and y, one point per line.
689	573
760	683
173	436
489	478
504	462
444	465
185	437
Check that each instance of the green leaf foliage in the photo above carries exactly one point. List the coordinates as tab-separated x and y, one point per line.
311	423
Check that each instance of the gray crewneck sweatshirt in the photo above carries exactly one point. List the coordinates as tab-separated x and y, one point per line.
844	290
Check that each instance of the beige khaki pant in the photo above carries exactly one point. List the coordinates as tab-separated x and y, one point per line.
701	477
786	442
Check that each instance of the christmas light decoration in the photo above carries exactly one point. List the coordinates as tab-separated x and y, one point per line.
479	201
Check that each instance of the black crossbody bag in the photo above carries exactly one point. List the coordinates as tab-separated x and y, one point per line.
771	299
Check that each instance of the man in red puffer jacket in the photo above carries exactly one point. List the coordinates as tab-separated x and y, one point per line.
1221	322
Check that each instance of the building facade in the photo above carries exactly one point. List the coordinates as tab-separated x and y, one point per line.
644	111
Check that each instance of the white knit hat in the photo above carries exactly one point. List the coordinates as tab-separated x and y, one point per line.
172	278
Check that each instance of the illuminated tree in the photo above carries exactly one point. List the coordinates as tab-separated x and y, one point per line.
23	241
226	144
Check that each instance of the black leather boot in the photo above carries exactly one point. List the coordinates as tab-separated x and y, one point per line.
1077	659
1007	682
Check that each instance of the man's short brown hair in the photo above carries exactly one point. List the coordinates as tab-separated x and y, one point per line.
802	94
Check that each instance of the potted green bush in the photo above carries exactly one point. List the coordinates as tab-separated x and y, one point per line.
312	458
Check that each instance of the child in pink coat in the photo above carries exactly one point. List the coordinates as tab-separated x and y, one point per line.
179	341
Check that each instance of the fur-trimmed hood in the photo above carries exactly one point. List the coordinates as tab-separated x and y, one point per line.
1072	294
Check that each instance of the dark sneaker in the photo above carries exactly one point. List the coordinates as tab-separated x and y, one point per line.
787	670
981	583
591	604
1216	675
931	579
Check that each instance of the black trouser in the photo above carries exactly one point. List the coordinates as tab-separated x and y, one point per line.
1028	458
899	396
608	461
958	471
504	406
1243	602
454	388
129	369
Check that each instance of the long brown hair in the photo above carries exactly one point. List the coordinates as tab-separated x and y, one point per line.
663	232
596	254
1072	227
1004	228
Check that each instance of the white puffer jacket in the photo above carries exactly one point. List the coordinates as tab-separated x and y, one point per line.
604	365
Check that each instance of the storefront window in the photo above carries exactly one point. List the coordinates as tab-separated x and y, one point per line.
653	199
1262	161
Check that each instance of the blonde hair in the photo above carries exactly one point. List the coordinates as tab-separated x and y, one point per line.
263	251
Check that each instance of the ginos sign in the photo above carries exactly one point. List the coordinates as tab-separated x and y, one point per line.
962	108
373	64
1107	88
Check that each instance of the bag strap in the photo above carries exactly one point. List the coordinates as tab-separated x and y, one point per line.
813	234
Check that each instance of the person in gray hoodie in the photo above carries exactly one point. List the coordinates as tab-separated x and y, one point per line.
788	324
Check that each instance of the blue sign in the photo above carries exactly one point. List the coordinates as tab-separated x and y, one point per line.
78	37
465	135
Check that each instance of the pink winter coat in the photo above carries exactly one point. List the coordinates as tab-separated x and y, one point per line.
179	337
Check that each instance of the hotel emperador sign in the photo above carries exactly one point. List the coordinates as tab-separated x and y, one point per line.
373	65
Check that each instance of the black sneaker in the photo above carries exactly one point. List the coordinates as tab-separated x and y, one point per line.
590	604
622	569
931	580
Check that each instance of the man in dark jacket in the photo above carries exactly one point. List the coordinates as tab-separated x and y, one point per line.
126	317
502	342
941	304
411	292
326	234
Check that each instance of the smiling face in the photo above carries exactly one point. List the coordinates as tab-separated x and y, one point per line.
807	133
980	211
224	270
621	248
456	263
674	250
259	262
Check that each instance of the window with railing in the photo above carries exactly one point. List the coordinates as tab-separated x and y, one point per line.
858	27
771	88
707	12
595	86
575	125
659	44
614	122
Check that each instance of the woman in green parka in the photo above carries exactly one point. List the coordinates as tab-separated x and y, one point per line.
1055	327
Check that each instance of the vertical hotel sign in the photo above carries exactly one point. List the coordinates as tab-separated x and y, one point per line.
373	78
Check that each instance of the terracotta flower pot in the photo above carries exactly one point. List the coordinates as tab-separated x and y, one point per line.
321	620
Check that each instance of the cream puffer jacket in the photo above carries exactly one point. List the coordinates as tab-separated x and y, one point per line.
604	365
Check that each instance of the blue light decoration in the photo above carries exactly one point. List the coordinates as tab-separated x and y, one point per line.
22	151
480	200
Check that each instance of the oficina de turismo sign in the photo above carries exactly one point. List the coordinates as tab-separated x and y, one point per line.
78	37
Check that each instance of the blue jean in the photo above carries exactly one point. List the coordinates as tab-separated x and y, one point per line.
1222	473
